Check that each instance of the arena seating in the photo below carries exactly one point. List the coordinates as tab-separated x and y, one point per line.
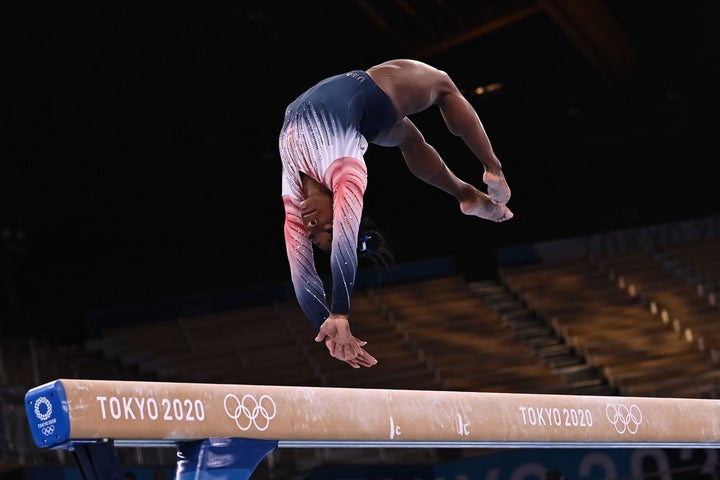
630	322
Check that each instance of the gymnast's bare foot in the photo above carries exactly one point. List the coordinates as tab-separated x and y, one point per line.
480	205
498	189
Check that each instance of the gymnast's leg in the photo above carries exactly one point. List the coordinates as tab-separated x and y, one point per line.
462	120
425	163
415	86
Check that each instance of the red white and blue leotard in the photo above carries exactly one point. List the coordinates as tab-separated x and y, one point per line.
325	135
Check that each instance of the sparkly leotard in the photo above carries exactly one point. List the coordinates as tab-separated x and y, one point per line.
325	135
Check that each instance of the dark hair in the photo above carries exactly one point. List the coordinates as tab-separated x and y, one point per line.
374	246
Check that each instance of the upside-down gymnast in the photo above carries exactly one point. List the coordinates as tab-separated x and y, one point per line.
324	137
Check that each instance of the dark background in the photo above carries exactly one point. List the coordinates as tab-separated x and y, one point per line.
141	136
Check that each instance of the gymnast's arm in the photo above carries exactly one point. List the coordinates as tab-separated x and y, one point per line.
348	179
308	287
333	329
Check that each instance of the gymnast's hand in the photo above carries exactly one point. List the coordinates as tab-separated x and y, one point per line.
341	343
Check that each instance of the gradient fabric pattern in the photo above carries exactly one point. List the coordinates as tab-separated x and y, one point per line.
317	143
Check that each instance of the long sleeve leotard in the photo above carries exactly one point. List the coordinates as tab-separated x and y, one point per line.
324	136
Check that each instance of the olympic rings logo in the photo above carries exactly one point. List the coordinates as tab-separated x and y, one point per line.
47	431
249	411
48	408
623	418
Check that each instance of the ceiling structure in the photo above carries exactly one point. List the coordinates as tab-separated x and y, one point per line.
424	29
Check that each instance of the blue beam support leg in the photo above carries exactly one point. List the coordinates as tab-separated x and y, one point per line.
221	458
98	461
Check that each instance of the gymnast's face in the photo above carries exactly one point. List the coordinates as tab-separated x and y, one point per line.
317	216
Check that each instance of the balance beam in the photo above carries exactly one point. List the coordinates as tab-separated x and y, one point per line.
66	412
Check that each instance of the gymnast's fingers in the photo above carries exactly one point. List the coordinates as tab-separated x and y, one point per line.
365	359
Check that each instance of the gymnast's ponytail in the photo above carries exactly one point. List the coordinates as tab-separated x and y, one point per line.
374	246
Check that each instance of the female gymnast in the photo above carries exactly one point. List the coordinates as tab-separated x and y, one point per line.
324	137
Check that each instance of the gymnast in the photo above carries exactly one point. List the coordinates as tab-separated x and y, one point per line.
322	143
